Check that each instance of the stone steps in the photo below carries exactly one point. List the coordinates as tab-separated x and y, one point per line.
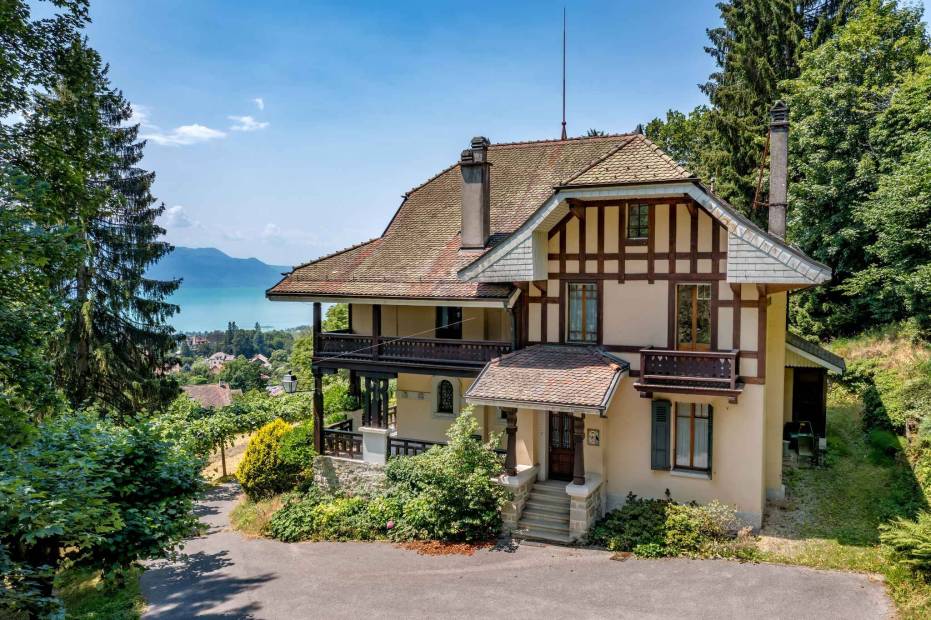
546	514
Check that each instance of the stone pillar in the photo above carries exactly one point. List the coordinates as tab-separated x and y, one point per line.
519	486
318	410
578	447
585	505
374	444
510	459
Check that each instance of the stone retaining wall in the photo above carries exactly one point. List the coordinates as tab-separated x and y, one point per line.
337	475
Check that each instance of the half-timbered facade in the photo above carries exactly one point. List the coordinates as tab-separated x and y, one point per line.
624	327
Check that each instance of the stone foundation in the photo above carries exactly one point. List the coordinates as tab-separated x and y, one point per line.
586	505
337	475
519	486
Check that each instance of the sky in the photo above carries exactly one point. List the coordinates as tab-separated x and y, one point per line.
286	130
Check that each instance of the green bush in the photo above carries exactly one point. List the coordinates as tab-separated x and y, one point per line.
885	444
910	540
297	447
661	527
314	517
447	492
262	472
639	521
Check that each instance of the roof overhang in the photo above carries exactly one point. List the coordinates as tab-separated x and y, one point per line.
814	359
525	250
499	302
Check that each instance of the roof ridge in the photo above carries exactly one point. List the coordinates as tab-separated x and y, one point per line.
336	253
597	161
406	194
554	140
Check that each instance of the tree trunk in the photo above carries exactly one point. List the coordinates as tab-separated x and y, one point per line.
223	456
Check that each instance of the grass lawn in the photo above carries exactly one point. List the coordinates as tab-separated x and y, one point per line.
85	601
250	518
831	514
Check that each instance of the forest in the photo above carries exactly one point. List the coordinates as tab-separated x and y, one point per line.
94	475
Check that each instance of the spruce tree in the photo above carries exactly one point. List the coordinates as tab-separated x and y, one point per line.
114	339
757	47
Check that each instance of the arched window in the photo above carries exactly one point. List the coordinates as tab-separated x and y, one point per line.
444	397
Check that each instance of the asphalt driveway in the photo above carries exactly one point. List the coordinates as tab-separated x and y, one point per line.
225	575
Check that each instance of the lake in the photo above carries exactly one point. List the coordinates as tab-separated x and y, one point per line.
204	309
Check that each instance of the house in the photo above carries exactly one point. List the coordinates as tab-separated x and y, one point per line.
619	323
195	341
219	359
261	360
212	395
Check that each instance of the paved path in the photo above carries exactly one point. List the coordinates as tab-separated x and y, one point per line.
226	575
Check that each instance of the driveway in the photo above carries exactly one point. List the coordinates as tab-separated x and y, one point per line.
225	575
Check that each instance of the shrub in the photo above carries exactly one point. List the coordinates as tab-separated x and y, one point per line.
314	517
638	522
911	540
885	444
295	520
297	447
262	472
661	527
447	492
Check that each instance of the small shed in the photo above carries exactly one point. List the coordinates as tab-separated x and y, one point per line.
806	389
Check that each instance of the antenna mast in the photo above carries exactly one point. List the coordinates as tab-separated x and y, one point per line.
564	73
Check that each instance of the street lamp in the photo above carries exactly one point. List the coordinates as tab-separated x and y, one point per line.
289	383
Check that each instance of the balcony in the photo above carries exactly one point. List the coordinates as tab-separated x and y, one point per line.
711	373
340	349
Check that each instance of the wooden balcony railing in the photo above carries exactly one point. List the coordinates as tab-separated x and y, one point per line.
345	444
696	372
431	351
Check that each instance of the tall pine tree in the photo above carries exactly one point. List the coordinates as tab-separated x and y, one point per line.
757	47
114	339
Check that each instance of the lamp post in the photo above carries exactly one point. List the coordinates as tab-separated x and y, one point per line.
289	385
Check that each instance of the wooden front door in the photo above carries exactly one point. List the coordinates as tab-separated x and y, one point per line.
562	451
693	317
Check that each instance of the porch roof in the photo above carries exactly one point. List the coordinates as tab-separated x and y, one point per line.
575	379
801	353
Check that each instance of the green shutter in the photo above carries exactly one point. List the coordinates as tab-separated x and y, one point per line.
710	440
659	435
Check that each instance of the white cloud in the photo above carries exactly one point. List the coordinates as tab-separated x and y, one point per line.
183	135
259	103
141	115
272	232
177	217
246	123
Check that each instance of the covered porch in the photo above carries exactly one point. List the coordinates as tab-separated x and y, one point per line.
555	399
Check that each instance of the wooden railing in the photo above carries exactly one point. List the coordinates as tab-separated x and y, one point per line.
342	425
399	446
345	444
415	350
715	369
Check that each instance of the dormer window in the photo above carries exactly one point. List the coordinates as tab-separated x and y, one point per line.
638	221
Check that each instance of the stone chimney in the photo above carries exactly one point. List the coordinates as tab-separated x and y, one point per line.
778	168
476	194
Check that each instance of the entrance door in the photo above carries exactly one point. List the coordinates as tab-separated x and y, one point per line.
562	452
808	397
693	317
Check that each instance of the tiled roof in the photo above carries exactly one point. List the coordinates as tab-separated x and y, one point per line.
635	161
556	376
418	255
829	360
212	395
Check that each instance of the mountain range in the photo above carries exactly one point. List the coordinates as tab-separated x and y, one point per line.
212	268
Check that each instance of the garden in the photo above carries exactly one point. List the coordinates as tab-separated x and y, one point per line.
447	493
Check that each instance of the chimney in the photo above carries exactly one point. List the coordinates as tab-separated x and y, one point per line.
778	168
476	194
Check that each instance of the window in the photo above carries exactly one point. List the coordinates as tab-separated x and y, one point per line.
445	397
449	322
693	317
693	436
638	221
583	312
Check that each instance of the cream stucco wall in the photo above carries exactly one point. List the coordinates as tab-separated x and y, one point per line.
737	473
775	390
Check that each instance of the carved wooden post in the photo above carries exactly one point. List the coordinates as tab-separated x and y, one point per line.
578	464
318	322
354	388
510	459
318	411
376	329
511	311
